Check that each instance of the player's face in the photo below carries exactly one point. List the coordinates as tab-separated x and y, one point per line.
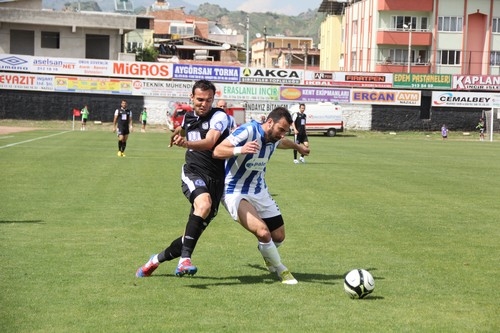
202	101
277	130
302	109
124	104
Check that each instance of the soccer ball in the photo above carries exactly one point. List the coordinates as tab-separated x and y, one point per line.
358	283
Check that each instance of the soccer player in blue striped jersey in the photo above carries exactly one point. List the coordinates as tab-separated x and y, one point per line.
246	197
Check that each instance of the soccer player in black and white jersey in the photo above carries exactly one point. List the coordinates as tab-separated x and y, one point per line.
122	125
299	130
202	176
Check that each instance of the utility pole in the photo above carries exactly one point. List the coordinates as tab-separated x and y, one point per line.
265	45
247	56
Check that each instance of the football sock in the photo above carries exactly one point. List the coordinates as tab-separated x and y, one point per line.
171	252
124	145
155	259
294	154
194	228
270	253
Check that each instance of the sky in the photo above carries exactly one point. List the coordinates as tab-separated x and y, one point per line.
286	7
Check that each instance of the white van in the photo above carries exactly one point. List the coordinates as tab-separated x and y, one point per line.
324	117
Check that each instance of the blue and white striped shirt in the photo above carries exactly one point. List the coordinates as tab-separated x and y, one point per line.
245	173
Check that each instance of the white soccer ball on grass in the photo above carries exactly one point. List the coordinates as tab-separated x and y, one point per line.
358	283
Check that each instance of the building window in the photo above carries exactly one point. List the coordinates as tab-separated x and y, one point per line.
423	23
450	23
496	25
447	57
398	22
495	58
183	29
400	56
50	40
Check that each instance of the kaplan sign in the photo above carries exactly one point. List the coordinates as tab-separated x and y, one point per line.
476	82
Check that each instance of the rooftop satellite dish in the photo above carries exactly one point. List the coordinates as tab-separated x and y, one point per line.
258	35
226	46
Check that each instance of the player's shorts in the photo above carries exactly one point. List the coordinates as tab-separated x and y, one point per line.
122	131
144	122
301	138
194	184
84	120
263	202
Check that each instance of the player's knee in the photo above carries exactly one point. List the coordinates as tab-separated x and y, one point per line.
203	208
263	234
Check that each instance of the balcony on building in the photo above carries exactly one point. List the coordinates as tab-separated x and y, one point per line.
391	40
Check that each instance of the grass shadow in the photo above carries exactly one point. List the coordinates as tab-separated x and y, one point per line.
21	221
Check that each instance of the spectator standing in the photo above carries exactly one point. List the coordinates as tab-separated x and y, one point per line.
85	116
444	132
143	118
480	126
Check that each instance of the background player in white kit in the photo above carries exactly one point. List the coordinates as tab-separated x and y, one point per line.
246	196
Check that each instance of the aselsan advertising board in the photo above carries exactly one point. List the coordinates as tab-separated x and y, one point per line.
464	99
386	97
94	67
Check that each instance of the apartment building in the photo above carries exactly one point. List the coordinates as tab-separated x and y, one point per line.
414	36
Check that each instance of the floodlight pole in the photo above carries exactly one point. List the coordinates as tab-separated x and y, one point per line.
265	45
247	56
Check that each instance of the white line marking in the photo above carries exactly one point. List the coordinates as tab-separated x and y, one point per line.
6	137
31	140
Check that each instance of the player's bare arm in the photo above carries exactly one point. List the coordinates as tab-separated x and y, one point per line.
226	149
289	144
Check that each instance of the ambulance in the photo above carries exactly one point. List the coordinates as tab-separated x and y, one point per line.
323	117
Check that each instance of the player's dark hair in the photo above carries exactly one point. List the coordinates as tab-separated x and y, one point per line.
280	112
203	85
302	104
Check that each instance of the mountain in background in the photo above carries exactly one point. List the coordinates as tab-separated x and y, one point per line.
306	24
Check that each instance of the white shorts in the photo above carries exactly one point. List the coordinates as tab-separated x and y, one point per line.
263	202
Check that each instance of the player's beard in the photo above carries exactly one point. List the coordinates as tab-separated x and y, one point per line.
270	137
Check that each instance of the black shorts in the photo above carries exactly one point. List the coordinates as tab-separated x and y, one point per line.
144	122
301	138
84	120
123	131
194	184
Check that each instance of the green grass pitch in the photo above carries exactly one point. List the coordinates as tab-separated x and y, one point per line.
422	215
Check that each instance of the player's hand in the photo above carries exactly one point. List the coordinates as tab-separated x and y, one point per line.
304	150
179	141
250	147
